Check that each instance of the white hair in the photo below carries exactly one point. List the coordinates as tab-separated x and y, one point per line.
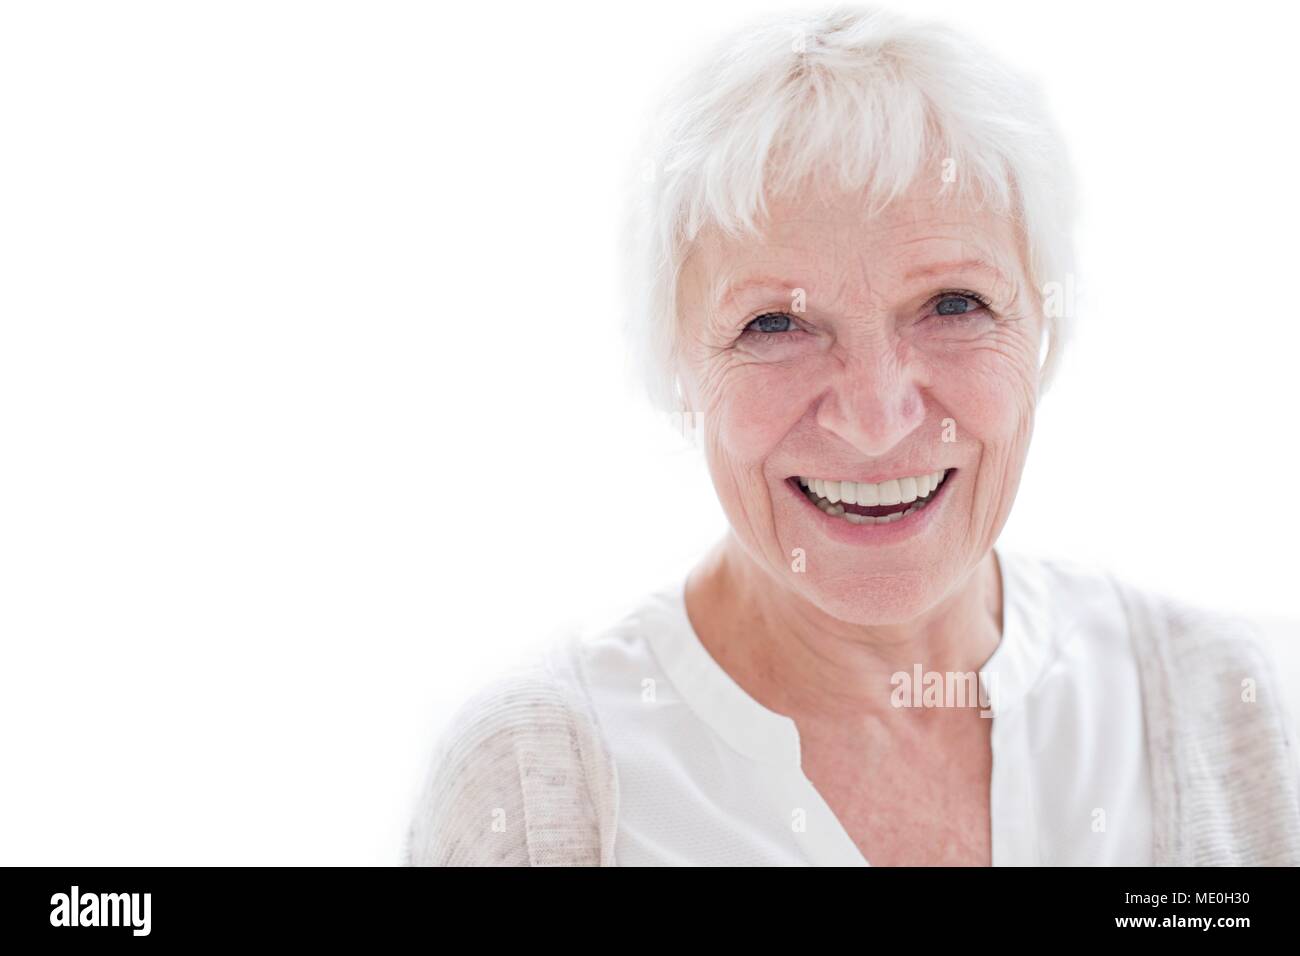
863	93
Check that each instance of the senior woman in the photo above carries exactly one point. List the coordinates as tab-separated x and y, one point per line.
852	244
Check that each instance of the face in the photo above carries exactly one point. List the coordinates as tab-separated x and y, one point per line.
843	365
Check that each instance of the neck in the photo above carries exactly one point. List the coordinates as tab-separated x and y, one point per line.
798	661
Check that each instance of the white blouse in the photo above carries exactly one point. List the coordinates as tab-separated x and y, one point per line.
708	776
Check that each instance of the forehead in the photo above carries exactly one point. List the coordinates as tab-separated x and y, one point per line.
840	245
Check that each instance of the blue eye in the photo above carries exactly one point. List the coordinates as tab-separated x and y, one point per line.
959	303
771	322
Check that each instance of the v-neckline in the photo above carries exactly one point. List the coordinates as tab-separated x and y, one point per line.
773	739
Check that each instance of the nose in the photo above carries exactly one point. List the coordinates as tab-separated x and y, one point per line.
874	402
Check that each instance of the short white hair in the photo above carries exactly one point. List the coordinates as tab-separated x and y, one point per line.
864	93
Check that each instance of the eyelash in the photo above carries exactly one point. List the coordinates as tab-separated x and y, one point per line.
947	293
746	330
962	294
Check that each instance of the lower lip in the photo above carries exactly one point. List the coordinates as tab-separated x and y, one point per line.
877	534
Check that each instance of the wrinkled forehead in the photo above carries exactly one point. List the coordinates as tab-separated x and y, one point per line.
845	248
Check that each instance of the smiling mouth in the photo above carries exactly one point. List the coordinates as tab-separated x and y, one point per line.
865	503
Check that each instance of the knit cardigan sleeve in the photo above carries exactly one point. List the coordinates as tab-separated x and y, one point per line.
519	776
1221	737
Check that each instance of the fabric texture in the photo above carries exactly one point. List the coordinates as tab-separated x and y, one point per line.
523	774
520	777
1225	775
709	776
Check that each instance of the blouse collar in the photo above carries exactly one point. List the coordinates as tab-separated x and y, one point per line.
764	735
1021	656
745	724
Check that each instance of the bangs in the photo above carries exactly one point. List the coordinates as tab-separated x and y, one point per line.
850	102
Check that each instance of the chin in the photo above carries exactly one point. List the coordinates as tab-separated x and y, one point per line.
876	599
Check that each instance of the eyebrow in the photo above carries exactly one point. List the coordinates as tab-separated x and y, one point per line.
956	265
732	290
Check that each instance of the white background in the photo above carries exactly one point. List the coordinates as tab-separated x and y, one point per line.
313	409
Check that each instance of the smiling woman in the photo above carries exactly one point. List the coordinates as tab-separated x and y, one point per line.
846	268
876	358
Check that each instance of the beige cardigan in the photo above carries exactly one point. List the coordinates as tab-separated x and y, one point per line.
1224	771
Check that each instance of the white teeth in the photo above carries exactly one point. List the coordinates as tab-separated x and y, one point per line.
831	495
889	492
849	492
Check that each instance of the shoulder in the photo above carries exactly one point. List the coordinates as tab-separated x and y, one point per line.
1191	638
1222	733
619	648
1089	598
519	775
1208	674
1220	728
1197	663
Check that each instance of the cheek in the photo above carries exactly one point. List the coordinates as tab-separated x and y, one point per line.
990	393
755	406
